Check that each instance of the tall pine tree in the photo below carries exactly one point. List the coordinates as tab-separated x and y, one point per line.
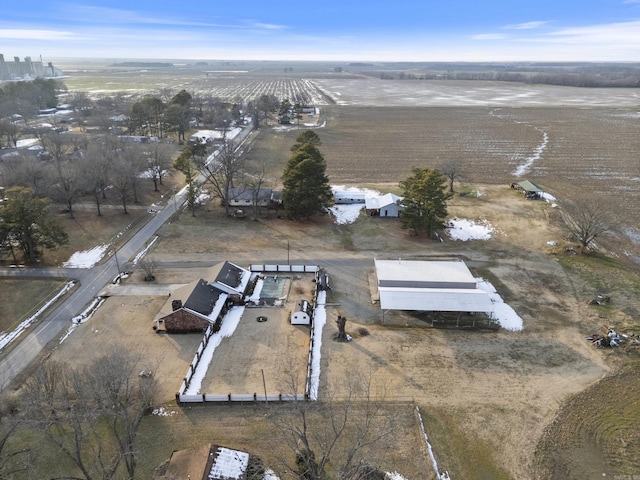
306	189
425	200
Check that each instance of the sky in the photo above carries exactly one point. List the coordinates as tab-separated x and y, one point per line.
335	30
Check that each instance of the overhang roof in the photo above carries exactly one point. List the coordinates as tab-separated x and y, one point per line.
435	299
528	186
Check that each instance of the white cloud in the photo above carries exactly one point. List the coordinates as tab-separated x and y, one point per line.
34	34
611	34
527	25
264	26
488	36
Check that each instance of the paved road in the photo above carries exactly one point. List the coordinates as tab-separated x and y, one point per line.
91	282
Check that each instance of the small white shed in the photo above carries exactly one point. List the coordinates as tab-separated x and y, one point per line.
302	316
388	205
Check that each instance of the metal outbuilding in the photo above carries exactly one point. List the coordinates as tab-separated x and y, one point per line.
442	286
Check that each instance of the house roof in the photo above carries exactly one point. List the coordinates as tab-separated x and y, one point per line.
203	298
199	297
230	278
247	194
528	186
376	203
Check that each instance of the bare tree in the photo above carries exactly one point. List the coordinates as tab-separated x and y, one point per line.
65	186
11	131
12	460
221	170
587	219
334	437
26	171
158	162
92	414
122	180
453	172
95	167
148	266
255	182
134	158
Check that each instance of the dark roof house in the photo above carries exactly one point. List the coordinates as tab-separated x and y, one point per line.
195	306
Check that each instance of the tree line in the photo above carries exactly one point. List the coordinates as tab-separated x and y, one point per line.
592	77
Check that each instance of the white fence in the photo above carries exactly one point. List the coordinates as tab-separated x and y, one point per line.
284	268
182	397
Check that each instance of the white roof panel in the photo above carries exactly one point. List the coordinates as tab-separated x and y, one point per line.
435	299
424	271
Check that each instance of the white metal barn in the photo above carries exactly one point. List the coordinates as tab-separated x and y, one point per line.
385	206
438	286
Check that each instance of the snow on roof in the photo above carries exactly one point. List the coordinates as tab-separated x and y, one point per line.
229	464
375	203
230	278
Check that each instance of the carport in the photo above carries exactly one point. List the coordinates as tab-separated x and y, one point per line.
432	286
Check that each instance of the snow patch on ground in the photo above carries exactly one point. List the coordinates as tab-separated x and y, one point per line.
144	251
349	212
229	324
7	337
537	154
86	258
319	321
502	313
163	412
346	213
463	229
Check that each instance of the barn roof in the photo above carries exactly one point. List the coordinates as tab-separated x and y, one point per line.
425	274
529	186
444	286
375	203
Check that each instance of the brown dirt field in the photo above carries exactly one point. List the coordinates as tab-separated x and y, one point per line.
497	391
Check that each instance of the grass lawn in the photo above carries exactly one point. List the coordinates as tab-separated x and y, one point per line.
21	298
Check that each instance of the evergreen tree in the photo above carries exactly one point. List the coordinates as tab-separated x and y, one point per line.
425	200
27	221
306	186
306	136
185	164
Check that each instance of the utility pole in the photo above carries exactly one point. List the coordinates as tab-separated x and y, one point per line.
175	203
115	255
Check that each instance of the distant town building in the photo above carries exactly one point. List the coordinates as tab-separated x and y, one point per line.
26	70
